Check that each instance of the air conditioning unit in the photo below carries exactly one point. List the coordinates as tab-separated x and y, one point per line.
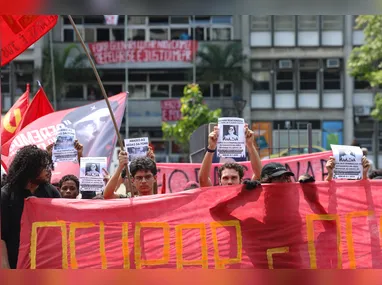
362	111
333	63
285	64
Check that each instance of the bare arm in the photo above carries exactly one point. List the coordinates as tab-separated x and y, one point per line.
366	166
4	256
205	169
330	166
116	180
253	155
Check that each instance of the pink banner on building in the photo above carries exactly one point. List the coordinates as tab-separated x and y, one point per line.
171	110
143	51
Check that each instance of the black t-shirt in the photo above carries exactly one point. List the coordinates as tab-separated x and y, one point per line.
12	205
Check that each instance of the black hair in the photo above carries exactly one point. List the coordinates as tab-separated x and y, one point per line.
232	165
69	177
3	180
375	173
27	165
143	163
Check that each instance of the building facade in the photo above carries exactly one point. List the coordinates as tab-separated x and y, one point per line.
297	63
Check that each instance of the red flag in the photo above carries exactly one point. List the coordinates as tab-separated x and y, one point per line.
18	32
39	107
13	118
93	127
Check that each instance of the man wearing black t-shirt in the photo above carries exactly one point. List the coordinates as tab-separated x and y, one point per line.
28	176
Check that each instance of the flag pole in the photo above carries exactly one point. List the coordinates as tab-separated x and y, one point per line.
99	82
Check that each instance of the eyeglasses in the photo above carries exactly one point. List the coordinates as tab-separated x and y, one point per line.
146	177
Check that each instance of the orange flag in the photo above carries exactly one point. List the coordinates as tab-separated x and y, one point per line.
13	118
39	107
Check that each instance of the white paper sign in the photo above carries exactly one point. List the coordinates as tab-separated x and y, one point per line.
91	174
63	149
348	162
137	147
231	141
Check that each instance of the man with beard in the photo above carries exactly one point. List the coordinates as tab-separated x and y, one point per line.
28	176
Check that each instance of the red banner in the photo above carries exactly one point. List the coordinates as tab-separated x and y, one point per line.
143	51
178	174
318	226
93	127
18	32
170	110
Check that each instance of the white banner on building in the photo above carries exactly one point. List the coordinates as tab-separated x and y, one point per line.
111	19
137	147
231	141
348	162
91	174
63	149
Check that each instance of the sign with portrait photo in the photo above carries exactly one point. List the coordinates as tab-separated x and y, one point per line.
63	149
348	162
231	140
91	174
137	147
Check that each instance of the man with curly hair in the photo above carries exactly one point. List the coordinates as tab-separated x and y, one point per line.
28	176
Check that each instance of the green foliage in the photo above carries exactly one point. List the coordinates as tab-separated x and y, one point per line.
365	62
218	63
69	65
194	114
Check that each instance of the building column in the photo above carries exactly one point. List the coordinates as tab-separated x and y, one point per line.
246	86
348	82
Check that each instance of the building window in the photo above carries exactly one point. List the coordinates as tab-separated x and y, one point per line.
284	81
74	91
205	89
158	20
136	34
221	34
5	83
158	34
137	91
361	85
136	20
332	78
103	35
177	90
78	20
68	35
160	90
332	23
180	20
308	74
180	34
307	23
261	23
118	34
284	23
261	81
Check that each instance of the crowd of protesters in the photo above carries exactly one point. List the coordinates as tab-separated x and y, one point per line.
30	173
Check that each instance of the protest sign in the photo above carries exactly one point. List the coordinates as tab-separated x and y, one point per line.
293	226
348	162
171	110
231	140
91	177
137	147
63	149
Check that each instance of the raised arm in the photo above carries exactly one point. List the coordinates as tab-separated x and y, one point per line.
253	154
116	180
330	164
205	169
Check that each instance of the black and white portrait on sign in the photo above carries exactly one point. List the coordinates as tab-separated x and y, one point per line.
230	133
92	169
347	155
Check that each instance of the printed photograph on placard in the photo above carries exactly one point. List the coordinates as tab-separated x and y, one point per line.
231	140
63	149
348	162
91	174
137	147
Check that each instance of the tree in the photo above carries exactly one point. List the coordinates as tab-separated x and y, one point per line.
222	63
194	114
365	62
66	68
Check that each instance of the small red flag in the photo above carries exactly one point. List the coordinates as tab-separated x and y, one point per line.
18	32
13	117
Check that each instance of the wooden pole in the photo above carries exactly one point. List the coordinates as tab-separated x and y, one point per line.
99	82
103	93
